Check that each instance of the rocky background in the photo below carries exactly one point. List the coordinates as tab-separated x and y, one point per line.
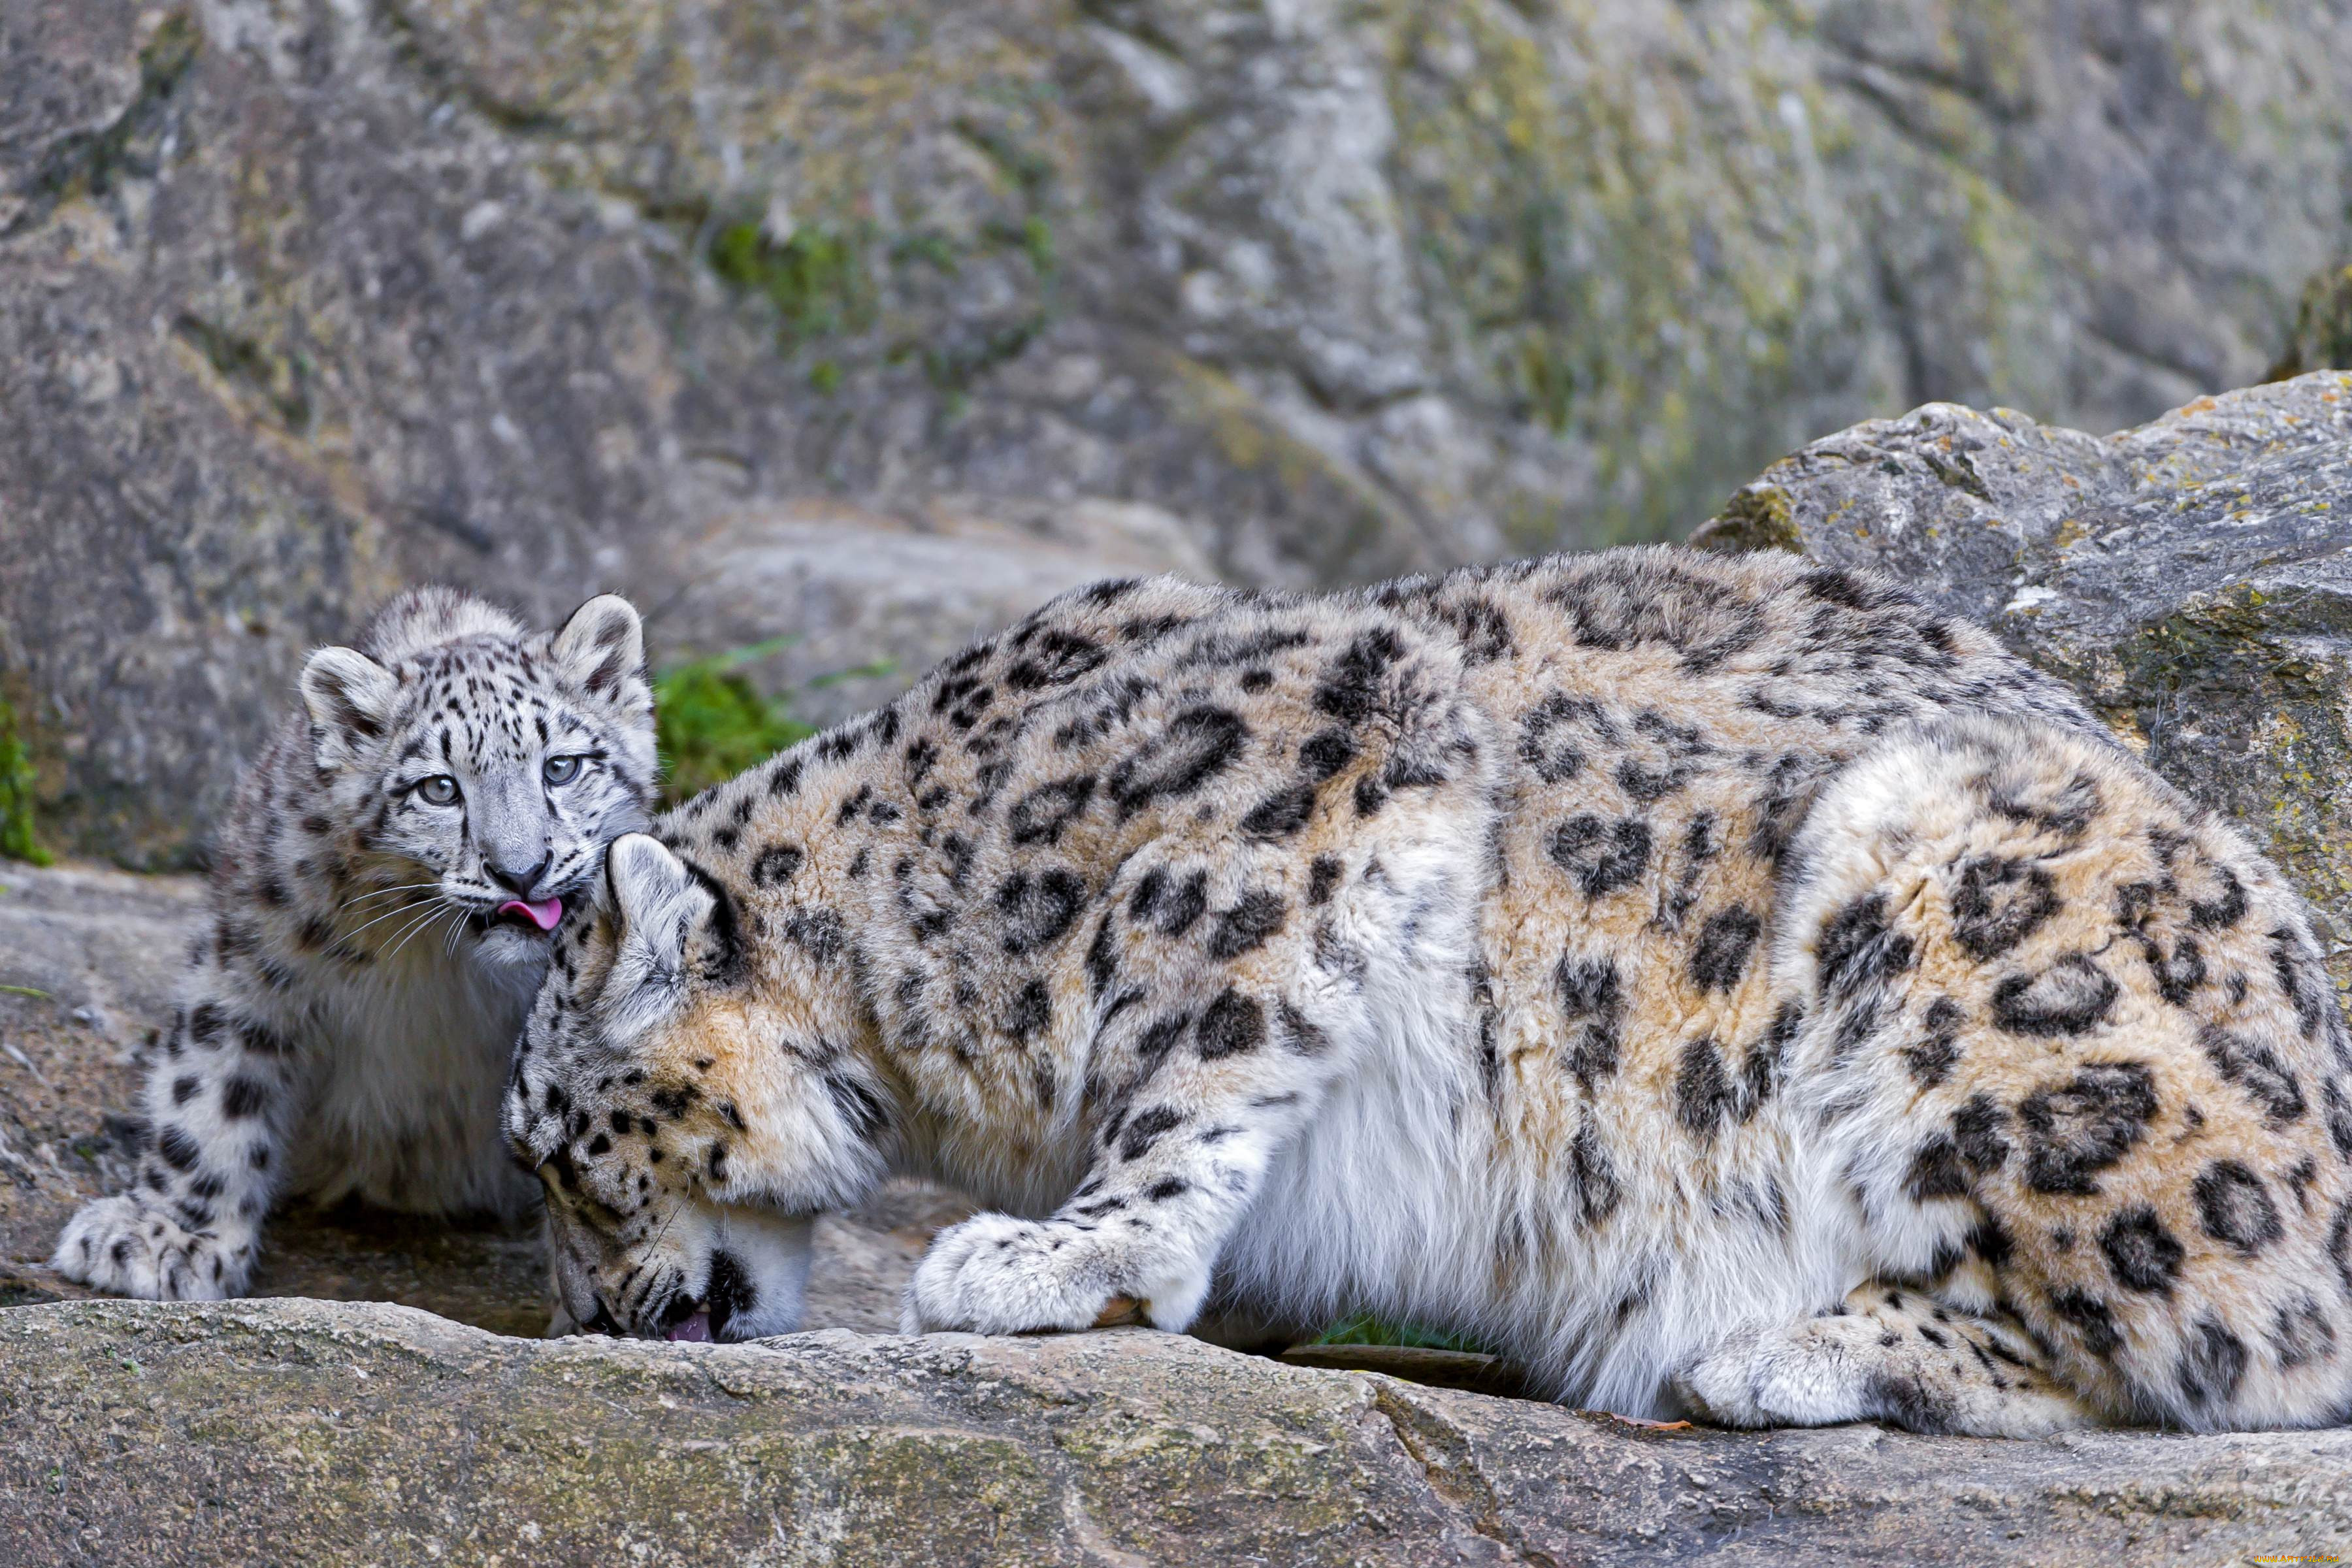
850	329
868	321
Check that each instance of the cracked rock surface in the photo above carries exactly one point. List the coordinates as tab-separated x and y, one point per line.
273	1432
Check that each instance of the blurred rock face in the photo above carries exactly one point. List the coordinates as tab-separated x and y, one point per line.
2192	578
302	299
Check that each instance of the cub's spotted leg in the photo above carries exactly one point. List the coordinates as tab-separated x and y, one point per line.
1222	1087
216	1100
1884	1355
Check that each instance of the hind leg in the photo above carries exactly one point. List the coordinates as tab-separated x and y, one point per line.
1884	1355
2073	1055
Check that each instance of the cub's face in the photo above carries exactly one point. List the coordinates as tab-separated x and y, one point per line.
684	1112
485	774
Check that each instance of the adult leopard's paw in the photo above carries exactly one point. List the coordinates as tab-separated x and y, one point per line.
128	1246
1765	1376
1716	1390
997	1275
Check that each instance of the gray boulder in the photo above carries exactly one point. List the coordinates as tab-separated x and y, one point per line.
304	300
273	1432
2191	578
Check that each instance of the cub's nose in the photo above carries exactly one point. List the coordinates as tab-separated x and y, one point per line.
515	880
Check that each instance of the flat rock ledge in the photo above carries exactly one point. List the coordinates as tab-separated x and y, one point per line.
297	1431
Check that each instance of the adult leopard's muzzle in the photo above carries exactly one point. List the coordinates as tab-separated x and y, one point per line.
723	1274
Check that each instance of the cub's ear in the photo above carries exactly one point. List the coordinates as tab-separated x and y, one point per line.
602	650
350	698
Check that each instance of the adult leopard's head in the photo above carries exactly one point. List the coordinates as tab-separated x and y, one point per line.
685	1094
482	770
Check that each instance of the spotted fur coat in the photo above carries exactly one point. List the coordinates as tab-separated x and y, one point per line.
1727	987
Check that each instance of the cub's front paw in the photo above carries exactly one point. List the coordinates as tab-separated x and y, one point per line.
128	1246
997	1275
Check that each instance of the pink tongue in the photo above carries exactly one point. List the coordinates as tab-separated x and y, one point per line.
696	1328
543	915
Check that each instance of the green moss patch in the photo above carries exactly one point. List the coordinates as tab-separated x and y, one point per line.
711	723
817	280
1366	1330
16	839
1757	516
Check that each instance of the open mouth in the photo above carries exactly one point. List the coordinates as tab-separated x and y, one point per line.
541	917
718	1313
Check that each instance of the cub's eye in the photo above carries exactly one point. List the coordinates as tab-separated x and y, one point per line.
561	770
438	790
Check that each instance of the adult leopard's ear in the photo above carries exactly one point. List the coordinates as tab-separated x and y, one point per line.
600	650
659	903
654	896
350	696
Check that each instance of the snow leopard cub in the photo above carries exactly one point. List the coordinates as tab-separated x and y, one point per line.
388	878
1725	986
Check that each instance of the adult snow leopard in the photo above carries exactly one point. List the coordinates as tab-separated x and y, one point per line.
387	882
1726	987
